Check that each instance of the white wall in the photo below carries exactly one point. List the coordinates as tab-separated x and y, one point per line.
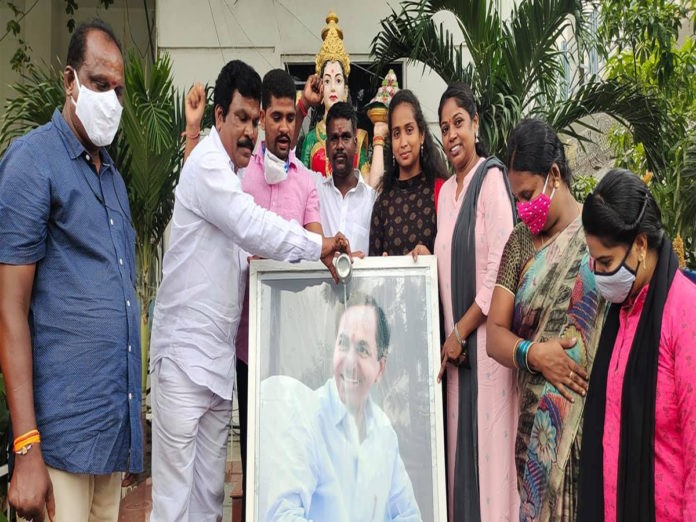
202	36
45	30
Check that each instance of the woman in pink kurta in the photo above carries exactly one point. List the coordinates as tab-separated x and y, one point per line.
481	421
641	408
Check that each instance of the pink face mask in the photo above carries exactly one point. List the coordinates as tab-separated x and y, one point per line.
535	212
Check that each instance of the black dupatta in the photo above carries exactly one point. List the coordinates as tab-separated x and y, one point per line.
465	489
636	474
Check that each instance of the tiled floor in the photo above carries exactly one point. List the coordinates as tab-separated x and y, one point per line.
136	504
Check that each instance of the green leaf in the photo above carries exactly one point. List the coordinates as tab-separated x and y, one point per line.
16	11
39	93
13	27
514	66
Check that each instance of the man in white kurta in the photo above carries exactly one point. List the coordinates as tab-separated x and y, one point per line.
199	302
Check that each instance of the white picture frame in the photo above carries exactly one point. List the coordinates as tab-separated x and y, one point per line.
298	372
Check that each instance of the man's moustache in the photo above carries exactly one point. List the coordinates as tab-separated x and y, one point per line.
245	143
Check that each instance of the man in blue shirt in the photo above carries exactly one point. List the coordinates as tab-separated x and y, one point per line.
69	325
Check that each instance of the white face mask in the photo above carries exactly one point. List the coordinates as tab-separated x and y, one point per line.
99	113
615	286
275	169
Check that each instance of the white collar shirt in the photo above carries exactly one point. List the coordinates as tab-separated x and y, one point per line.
350	215
200	299
313	465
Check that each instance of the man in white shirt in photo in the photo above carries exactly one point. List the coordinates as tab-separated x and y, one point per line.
199	303
331	454
345	200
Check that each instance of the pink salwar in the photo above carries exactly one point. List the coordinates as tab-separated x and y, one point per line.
497	392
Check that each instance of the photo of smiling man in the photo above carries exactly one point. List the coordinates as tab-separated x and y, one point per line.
335	453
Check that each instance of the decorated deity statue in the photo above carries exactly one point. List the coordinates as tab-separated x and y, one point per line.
332	70
378	107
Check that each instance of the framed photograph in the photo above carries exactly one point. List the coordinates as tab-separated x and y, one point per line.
345	413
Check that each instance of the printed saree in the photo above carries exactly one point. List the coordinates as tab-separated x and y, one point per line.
555	296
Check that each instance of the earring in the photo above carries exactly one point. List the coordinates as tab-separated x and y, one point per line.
477	138
556	184
421	152
393	161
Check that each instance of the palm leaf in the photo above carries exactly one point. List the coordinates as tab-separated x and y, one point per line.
39	92
412	34
625	103
515	66
148	149
532	59
687	188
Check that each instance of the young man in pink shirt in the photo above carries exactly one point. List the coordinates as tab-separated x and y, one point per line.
278	181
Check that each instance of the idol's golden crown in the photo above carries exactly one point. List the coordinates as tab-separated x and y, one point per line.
332	49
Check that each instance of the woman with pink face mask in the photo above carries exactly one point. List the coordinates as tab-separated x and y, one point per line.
545	319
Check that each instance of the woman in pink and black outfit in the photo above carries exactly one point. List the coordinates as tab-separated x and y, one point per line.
638	459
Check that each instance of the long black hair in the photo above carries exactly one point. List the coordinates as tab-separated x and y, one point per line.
533	146
431	161
464	98
620	208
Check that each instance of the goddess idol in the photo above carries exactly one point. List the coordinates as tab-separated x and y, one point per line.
332	68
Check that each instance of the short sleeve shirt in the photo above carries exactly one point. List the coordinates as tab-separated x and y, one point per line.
56	212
